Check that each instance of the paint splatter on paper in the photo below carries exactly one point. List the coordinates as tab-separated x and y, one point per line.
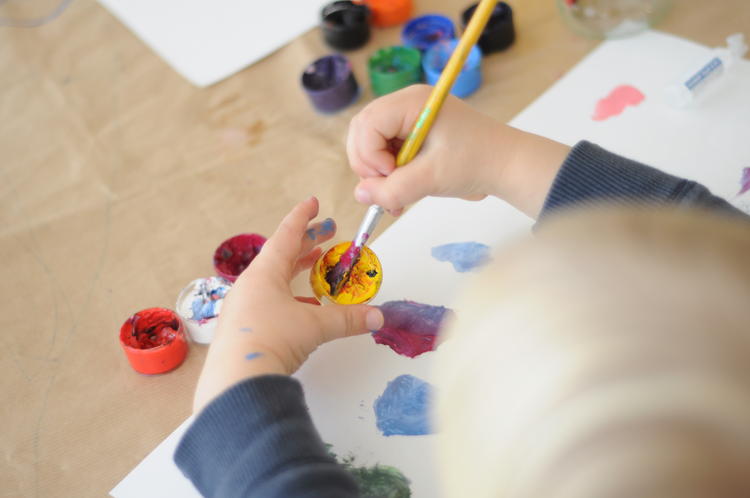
464	256
403	408
744	181
377	481
616	102
410	328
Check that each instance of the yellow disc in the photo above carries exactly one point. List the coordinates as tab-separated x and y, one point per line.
364	279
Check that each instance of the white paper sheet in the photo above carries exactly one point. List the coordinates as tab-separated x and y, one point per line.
206	41
342	379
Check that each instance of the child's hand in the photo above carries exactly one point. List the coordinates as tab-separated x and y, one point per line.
262	329
466	154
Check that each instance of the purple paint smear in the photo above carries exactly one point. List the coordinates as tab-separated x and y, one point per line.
345	264
745	181
410	328
403	408
464	256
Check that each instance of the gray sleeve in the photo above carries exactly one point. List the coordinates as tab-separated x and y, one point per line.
257	439
592	175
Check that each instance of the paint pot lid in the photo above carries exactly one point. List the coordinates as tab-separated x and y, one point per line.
389	12
236	253
199	305
154	340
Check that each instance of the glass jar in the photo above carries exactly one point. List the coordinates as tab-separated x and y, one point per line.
611	18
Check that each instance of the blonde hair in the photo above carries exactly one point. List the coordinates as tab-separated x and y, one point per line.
606	356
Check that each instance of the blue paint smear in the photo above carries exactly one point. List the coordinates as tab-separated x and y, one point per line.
252	356
326	227
464	256
246	329
402	409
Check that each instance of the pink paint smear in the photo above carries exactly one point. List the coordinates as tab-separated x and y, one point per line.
616	102
745	181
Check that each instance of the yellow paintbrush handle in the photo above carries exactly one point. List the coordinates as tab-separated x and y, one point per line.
456	62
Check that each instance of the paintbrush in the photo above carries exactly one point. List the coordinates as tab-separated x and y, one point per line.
339	274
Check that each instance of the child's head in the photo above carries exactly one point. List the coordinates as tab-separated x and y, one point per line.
606	356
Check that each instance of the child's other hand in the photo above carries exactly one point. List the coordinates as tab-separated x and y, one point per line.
262	328
466	154
461	157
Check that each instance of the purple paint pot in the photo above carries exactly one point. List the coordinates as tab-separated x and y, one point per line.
235	254
330	84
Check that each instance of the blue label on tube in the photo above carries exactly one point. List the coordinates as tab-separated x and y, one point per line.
711	67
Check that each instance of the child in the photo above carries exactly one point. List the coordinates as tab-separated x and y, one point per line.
253	435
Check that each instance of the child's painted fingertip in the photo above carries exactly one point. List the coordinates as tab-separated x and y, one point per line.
374	319
362	196
396	212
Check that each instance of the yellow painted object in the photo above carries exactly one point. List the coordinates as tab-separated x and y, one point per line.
364	279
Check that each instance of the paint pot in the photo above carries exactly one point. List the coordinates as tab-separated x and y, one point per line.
363	283
236	253
393	68
387	13
499	32
154	341
329	83
470	77
345	25
425	31
199	305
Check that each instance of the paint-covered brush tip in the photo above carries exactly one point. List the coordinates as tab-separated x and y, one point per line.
343	275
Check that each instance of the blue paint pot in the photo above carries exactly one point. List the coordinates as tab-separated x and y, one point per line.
425	31
470	77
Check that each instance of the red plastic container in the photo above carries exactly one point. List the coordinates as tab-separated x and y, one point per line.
154	341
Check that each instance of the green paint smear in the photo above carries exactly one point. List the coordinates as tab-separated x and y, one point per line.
378	481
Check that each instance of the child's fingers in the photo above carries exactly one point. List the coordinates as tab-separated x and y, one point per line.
390	116
341	321
402	187
317	233
285	244
306	261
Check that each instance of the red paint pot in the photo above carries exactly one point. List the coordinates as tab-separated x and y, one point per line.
235	254
154	341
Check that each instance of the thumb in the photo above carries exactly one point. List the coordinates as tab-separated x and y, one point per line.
346	320
403	186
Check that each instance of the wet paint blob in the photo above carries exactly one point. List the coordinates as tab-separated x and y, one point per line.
616	102
150	329
403	408
235	254
410	328
464	256
362	284
376	481
744	181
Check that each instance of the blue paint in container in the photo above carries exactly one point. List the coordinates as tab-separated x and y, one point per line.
470	77
425	31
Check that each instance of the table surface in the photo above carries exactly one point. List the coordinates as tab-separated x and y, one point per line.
119	179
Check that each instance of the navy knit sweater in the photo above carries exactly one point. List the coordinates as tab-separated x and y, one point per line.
257	438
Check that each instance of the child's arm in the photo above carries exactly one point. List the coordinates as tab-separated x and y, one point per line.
253	434
469	155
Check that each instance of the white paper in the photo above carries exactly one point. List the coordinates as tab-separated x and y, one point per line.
206	41
709	144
